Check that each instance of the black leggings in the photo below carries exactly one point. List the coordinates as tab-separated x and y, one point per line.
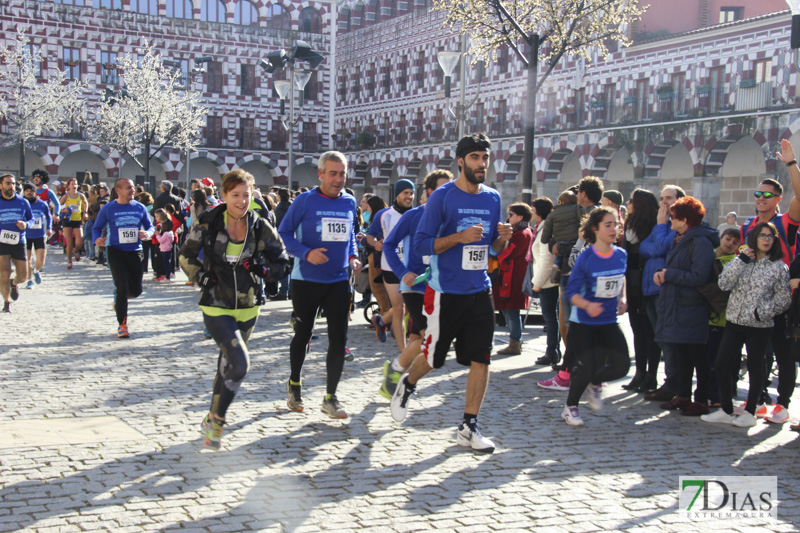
730	349
334	299
126	269
601	355
783	347
234	361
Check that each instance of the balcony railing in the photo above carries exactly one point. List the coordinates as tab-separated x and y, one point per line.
750	97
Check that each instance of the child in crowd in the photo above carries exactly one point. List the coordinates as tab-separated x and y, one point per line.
160	216
166	240
565	220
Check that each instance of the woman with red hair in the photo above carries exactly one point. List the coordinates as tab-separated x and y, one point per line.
682	311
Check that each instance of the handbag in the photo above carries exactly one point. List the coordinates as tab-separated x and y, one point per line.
527	282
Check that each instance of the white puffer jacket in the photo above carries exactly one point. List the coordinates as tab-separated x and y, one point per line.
759	291
542	262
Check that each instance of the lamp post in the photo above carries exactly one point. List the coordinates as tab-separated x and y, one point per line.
298	79
448	62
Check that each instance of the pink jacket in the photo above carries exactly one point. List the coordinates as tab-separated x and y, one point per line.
165	240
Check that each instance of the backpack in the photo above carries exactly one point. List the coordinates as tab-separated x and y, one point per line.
716	298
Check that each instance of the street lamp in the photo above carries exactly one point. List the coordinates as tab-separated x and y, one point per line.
298	79
448	62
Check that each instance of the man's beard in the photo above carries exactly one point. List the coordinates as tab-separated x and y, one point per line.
472	177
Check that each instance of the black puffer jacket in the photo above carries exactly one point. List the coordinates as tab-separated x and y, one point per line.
236	288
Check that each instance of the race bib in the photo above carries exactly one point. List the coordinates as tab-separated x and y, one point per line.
8	236
475	257
128	235
335	229
609	286
37	223
400	252
232	258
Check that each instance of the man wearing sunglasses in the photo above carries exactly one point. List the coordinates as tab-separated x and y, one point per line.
767	197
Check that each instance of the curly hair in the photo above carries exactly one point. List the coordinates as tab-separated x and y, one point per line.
591	222
689	209
592	187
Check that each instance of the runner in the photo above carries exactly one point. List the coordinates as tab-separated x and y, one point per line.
227	254
41	229
73	212
407	266
318	230
596	292
461	220
403	200
128	224
15	218
40	179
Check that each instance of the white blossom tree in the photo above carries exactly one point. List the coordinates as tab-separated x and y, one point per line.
33	102
151	111
540	29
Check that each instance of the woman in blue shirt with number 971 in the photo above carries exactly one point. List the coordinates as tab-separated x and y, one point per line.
596	291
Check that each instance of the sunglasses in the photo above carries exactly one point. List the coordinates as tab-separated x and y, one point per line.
765	194
766	236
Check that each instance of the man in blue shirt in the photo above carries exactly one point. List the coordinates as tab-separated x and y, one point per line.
15	218
128	224
41	229
318	230
461	221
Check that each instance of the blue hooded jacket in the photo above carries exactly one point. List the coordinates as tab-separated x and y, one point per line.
655	248
682	310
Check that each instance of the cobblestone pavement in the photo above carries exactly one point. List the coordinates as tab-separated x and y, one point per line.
285	471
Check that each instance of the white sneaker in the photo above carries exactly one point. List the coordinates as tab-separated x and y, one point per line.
571	416
761	410
472	438
718	417
779	415
594	397
744	420
399	403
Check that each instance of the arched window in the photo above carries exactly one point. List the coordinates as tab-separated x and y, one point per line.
212	11
310	21
179	9
278	18
245	13
145	7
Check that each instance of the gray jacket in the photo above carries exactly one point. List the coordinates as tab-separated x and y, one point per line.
759	291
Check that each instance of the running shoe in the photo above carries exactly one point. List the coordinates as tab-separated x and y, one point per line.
332	408
390	380
571	416
37	277
14	292
190	283
295	401
718	417
380	331
69	266
160	279
122	330
399	403
470	436
744	420
7	307
594	397
29	285
348	355
555	383
212	432
77	256
779	415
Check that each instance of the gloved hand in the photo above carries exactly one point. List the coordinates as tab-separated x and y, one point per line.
205	279
254	268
